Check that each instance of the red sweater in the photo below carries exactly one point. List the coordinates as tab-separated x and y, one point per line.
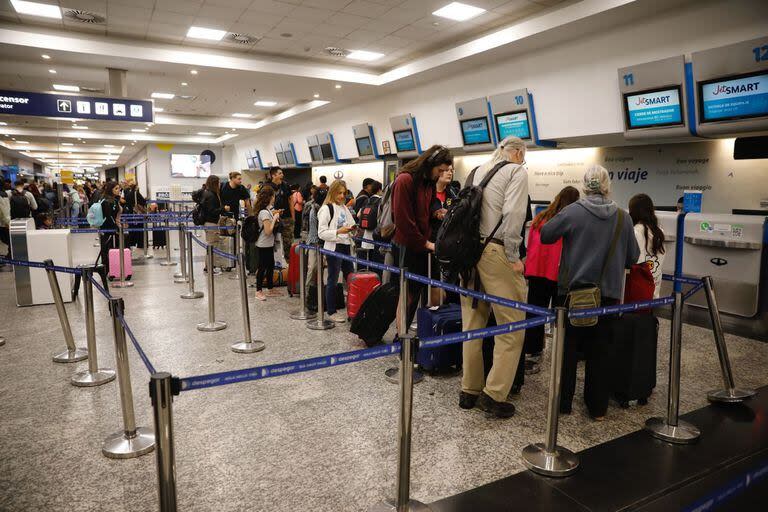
410	210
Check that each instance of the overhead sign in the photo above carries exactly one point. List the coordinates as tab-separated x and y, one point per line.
78	107
737	98
654	108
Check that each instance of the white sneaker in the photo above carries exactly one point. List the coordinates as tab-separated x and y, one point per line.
338	317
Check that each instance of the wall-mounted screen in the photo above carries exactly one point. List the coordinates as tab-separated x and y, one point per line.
513	123
364	147
737	97
189	166
657	107
289	160
315	153
250	163
280	158
327	151
404	141
475	131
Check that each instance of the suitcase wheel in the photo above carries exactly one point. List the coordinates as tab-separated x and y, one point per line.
111	278
624	404
129	277
642	401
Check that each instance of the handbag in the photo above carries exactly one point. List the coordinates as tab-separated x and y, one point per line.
588	296
640	284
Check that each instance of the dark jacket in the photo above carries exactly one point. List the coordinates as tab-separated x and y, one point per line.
450	195
132	198
111	209
211	206
411	204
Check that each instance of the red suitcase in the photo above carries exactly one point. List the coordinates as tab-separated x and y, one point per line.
359	287
293	271
114	264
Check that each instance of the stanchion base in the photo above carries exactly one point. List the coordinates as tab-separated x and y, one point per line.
212	326
734	395
121	446
243	347
192	295
166	263
2	342
71	356
148	256
393	375
303	315
122	284
87	379
179	280
235	276
562	462
389	506
178	275
320	325
683	433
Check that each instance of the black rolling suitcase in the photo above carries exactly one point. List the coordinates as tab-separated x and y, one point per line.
376	314
635	339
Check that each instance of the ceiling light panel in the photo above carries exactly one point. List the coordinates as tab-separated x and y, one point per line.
163	95
238	114
67	88
265	103
364	56
458	11
36	9
210	34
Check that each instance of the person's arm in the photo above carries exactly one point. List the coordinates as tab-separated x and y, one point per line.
31	200
268	221
513	213
403	212
290	207
326	229
633	250
555	228
5	210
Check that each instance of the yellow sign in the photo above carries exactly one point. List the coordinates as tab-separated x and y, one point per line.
164	147
67	177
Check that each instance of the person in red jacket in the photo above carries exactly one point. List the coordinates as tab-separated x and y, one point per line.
412	194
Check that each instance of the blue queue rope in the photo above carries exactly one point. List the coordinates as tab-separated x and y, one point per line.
142	355
101	289
199	242
497	330
383	245
692	291
682	279
226	255
620	308
40	264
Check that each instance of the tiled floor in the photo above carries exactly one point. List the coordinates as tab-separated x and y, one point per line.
316	441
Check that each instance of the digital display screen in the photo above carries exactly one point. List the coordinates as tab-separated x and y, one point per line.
364	147
513	124
189	166
327	151
250	163
475	131
315	154
289	160
659	107
739	97
404	141
280	158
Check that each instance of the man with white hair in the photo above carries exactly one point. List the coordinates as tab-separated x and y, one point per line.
591	257
500	273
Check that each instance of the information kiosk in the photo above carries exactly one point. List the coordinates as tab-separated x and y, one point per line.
475	124
365	142
406	134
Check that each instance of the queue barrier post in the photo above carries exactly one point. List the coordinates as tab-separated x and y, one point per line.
132	441
548	458
161	393
672	429
236	246
147	256
191	294
73	354
393	374
167	262
730	393
303	313
248	345
181	275
93	376
320	323
122	283
211	325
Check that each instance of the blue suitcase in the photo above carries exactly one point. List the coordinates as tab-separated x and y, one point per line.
445	319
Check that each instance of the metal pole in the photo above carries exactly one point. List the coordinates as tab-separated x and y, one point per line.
672	429
302	314
181	276
167	262
161	393
548	458
320	323
147	256
72	354
122	283
132	441
729	393
248	345
211	325
393	374
93	376
236	275
191	294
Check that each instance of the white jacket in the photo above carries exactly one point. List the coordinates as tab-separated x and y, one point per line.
327	225
5	209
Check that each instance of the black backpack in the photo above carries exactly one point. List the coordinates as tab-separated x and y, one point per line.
369	213
198	217
20	208
458	247
250	229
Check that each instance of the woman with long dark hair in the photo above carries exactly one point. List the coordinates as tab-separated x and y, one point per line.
265	244
111	210
650	237
213	208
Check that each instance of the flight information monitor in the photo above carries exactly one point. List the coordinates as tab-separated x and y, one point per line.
739	97
475	131
289	160
513	123
327	151
280	158
404	141
315	153
658	107
364	147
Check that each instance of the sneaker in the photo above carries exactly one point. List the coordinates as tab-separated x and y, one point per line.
532	367
492	407
338	317
260	296
467	400
274	293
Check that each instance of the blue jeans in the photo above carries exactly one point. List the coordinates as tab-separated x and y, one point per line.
334	266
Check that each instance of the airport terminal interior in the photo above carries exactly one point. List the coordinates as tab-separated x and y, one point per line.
372	255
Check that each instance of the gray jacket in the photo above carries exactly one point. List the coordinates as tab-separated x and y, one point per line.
586	228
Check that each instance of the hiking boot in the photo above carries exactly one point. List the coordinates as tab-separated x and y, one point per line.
492	407
467	400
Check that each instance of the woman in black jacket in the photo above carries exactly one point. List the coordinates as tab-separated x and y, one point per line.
213	209
111	209
135	203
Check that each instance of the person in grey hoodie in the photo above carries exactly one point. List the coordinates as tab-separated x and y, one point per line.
587	227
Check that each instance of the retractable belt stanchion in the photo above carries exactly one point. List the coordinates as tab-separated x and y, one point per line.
191	294
408	348
122	283
548	458
393	374
161	393
181	276
147	256
93	376
672	429
72	354
167	262
302	314
2	341
729	393
248	345
320	323
236	275
211	325
132	441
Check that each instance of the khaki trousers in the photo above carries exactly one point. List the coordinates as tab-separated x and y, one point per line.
497	278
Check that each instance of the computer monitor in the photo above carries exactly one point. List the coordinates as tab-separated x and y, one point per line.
475	131
327	151
513	123
734	97
404	141
315	153
653	108
364	146
280	158
289	160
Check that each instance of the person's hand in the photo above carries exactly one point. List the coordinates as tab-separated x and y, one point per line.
344	230
430	246
122	200
440	214
226	208
518	266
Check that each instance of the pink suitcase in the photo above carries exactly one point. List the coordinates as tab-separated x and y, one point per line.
114	264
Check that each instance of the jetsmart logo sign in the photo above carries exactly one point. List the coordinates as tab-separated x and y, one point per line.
725	90
654	100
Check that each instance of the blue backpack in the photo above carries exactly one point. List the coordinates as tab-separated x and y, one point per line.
95	216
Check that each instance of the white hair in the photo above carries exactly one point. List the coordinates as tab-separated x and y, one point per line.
508	144
597	181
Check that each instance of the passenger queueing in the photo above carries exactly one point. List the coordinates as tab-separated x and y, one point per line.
366	215
312	238
334	224
589	257
268	218
213	208
650	237
283	205
499	272
444	195
111	210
